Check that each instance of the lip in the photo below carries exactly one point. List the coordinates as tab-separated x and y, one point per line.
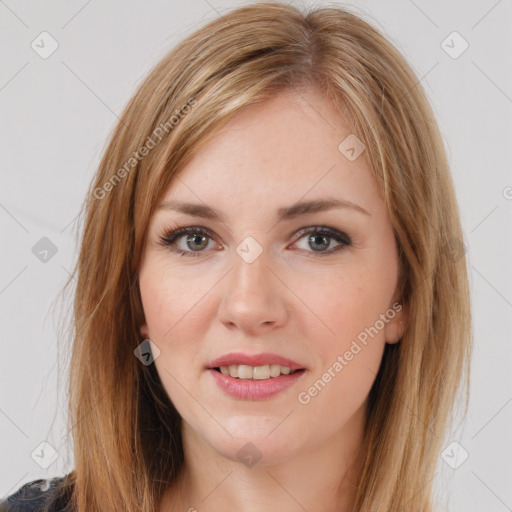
254	360
253	389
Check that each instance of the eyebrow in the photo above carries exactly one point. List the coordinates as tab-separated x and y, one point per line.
284	213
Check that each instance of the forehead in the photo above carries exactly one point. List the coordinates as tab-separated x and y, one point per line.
274	153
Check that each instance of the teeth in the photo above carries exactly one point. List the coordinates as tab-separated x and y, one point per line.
266	371
245	372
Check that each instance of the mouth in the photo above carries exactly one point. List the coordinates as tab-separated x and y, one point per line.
254	377
255	366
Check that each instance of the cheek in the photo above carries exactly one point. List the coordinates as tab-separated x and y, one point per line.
342	304
171	303
349	343
175	326
333	398
176	321
349	359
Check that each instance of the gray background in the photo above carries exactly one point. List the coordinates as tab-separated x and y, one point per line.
58	111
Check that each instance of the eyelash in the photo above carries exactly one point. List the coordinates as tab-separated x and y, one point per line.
169	238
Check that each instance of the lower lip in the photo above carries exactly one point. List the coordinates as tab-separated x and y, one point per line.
254	389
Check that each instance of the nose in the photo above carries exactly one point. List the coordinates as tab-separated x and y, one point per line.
254	298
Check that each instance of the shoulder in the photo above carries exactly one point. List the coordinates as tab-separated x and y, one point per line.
43	495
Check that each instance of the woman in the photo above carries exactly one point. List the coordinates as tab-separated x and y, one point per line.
269	152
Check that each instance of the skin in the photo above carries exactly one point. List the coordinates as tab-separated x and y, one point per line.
291	300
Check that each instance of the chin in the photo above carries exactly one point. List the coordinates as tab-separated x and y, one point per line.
256	440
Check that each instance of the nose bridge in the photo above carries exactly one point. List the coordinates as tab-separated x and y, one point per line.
252	297
250	276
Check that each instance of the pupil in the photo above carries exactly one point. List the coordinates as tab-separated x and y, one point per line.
322	237
195	237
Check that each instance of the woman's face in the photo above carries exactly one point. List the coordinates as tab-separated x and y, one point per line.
254	281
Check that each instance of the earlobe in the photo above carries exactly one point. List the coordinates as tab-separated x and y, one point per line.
393	334
395	328
144	331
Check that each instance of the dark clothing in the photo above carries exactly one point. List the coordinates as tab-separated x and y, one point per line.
48	495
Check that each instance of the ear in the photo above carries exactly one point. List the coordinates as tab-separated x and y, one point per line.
396	325
144	331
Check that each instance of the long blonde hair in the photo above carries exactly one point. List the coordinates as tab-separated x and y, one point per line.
126	432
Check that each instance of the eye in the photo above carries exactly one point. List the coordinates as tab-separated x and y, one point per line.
196	239
319	238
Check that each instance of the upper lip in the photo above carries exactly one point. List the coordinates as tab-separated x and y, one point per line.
254	360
